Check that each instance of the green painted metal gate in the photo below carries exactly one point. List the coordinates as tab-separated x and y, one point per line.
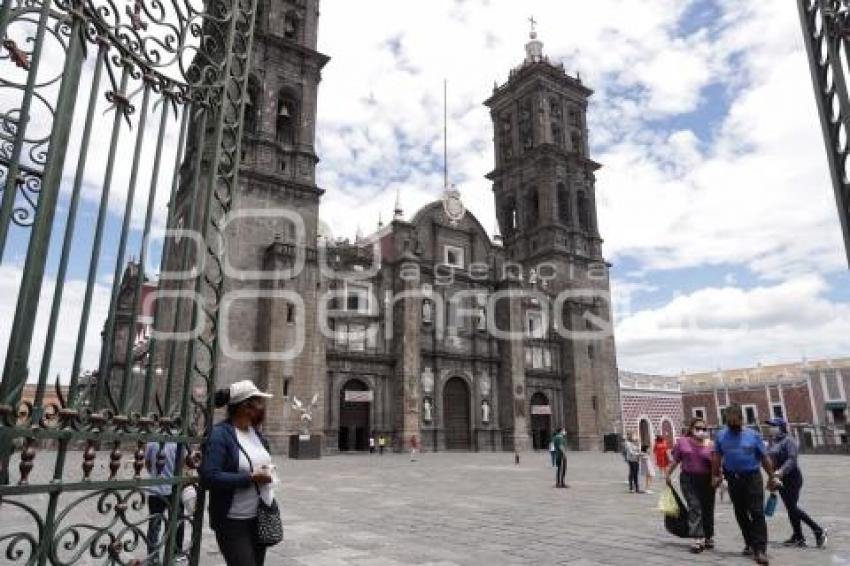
119	120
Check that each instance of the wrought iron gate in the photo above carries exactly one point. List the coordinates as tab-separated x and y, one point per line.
108	108
826	34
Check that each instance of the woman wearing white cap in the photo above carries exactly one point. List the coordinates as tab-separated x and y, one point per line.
236	471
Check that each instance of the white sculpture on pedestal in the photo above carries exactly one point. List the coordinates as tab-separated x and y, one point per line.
306	413
428	408
485	411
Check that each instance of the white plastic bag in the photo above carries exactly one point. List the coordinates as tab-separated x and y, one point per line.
189	497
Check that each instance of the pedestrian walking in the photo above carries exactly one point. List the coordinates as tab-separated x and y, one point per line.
661	451
382	443
414	444
631	453
646	469
371	444
693	452
159	496
739	452
783	454
237	473
560	443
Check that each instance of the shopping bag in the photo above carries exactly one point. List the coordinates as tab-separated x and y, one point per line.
678	525
667	503
770	506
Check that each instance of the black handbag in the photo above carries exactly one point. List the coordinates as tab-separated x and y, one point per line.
269	524
678	526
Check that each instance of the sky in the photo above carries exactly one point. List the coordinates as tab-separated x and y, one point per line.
714	197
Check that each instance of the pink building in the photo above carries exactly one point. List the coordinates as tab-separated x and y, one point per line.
651	405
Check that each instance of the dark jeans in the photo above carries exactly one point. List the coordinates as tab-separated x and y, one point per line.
237	540
790	493
699	495
158	510
747	494
561	470
634	467
554	461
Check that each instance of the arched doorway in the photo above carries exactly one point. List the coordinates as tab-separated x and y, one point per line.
667	432
541	421
645	433
456	417
354	404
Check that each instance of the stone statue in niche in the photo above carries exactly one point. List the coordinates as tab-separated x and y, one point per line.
481	316
427	311
427	380
485	411
427	410
484	384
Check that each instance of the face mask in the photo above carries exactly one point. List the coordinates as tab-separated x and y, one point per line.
701	434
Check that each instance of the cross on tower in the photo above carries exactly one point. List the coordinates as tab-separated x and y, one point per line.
533	22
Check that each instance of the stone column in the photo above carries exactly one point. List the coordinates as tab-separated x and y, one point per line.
513	397
409	366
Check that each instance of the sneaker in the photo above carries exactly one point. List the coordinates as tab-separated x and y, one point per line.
795	542
761	558
821	538
697	547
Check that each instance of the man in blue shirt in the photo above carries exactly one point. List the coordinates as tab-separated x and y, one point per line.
783	454
739	452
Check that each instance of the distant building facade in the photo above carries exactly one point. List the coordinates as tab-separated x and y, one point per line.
651	406
810	395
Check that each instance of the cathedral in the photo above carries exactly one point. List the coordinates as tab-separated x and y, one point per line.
428	330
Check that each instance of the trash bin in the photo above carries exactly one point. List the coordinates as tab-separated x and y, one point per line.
612	442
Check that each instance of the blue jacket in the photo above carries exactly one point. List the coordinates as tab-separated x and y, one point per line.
220	474
783	452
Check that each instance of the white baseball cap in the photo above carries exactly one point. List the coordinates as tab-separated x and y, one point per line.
245	389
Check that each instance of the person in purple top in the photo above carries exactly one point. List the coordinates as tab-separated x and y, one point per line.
693	453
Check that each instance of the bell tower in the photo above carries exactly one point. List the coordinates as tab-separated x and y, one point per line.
544	188
273	332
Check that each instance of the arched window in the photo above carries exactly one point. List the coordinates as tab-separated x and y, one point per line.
291	25
260	20
583	211
564	204
509	224
557	134
577	143
287	118
252	107
532	208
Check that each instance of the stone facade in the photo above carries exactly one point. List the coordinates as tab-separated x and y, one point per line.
426	331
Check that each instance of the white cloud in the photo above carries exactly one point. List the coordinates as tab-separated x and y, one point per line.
730	327
67	327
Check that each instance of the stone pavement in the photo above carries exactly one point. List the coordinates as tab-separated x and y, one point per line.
471	509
